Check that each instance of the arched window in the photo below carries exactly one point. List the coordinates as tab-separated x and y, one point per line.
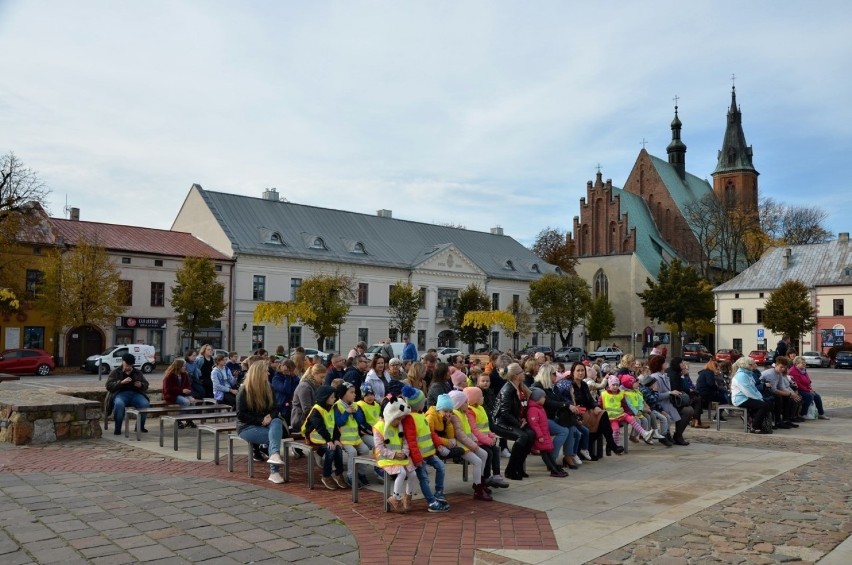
509	266
730	194
318	243
359	248
601	284
534	268
276	239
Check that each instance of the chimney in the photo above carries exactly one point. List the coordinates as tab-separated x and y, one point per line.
75	215
384	213
843	237
497	230
787	253
271	194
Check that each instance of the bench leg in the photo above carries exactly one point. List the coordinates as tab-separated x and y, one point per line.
387	491
198	446
625	436
311	462
250	461
138	429
230	454
215	446
718	419
353	467
162	431
175	430
464	470
285	453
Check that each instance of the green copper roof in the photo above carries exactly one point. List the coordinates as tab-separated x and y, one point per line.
651	248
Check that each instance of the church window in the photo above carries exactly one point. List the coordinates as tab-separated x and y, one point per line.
601	284
730	194
612	244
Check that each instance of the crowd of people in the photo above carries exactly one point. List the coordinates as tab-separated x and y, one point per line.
414	414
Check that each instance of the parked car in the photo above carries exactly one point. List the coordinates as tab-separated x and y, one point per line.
729	355
444	353
26	361
396	346
530	351
762	356
310	352
572	354
815	359
843	360
696	352
146	358
607	353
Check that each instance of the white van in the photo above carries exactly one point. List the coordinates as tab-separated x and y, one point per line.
111	358
375	348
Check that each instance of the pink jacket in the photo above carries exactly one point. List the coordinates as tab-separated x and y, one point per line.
537	419
801	378
481	438
464	439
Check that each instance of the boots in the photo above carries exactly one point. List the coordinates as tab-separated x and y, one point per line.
395	504
480	494
406	502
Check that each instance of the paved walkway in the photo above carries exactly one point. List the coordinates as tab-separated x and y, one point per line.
729	497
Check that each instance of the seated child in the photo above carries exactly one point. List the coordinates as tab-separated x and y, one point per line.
612	400
487	440
372	412
421	445
350	420
392	451
659	418
636	404
324	436
537	419
454	407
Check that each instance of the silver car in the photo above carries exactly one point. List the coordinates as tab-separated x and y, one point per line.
815	359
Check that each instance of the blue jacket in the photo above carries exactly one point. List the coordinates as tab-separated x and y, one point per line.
283	387
194	372
409	352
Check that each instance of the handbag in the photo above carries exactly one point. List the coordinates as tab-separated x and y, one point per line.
565	418
591	420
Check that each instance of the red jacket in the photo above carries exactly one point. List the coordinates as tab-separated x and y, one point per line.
174	385
537	419
409	428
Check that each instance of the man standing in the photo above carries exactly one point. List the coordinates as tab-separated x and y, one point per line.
335	370
387	350
409	352
128	387
783	347
359	349
357	373
786	400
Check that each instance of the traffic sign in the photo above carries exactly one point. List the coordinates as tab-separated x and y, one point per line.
761	333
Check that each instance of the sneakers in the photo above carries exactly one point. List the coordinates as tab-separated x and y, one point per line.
823	417
497	481
341	481
585	455
276	478
647	437
329	483
181	425
577	460
658	435
275	459
438	506
439	496
560	473
505	453
257	455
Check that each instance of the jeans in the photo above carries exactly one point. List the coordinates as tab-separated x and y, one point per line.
127	398
270	435
423	476
183	401
584	435
331	457
807	398
562	438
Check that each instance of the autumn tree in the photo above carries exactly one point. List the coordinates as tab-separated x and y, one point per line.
485	319
562	301
198	298
789	310
601	319
471	298
329	298
403	305
551	244
679	294
82	288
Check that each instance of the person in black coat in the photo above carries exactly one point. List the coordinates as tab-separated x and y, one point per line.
583	397
510	420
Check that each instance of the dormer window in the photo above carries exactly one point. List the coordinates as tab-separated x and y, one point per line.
509	266
359	248
275	239
318	243
534	268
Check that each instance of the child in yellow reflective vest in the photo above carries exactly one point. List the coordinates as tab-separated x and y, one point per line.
392	451
612	400
421	445
350	420
324	436
372	412
487	440
454	406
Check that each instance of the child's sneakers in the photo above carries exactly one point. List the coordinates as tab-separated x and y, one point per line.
647	437
505	453
276	478
329	483
584	454
275	459
341	482
658	435
438	506
498	481
439	496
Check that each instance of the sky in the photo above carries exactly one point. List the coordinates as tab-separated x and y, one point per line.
464	112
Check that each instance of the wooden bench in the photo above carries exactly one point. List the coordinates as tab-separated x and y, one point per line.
215	428
9	378
729	408
163	410
174	419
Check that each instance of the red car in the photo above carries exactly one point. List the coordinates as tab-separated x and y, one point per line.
762	357
27	361
729	355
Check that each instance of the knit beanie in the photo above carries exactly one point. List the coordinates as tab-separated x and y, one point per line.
613	381
322	395
627	381
415	397
458	398
459	378
536	394
474	395
444	402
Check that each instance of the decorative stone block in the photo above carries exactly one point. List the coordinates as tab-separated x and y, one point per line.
22	432
43	431
63	417
63	430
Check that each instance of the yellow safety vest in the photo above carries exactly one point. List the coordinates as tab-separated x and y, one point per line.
349	431
371	412
328	419
481	419
612	404
465	428
392	442
635	400
424	435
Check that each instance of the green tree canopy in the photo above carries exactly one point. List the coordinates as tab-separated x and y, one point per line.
601	320
679	294
472	298
198	297
789	310
403	305
329	298
562	301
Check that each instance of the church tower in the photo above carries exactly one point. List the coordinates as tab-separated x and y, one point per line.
677	148
735	178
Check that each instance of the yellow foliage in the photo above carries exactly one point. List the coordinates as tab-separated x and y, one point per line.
488	318
8	299
278	313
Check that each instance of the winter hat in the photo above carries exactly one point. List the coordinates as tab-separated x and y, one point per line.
627	381
129	358
444	402
342	388
459	378
536	393
414	396
366	389
613	381
474	395
458	398
647	380
322	395
395	407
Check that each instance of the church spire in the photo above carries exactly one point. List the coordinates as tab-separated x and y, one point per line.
677	149
735	155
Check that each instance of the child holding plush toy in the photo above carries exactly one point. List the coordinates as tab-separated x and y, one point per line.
392	452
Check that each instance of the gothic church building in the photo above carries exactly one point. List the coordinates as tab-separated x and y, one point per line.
623	234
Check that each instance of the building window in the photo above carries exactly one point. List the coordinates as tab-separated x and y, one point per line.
495	300
295	337
601	284
737	343
158	262
33	337
363	294
760	295
258	288
422	297
760	315
737	316
421	340
495	340
509	266
838	307
516	302
295	284
393	334
535	339
158	294
359	248
318	243
127	290
125	260
363	335
218	268
35	278
258	334
736	295
330	344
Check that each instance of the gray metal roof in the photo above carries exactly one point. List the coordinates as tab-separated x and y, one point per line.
818	264
259	227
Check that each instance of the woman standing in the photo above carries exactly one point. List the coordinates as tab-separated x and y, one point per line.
205	363
510	420
682	415
593	416
378	377
257	416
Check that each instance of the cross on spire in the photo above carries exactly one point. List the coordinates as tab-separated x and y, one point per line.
733	80
643	142
676	98
598	167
